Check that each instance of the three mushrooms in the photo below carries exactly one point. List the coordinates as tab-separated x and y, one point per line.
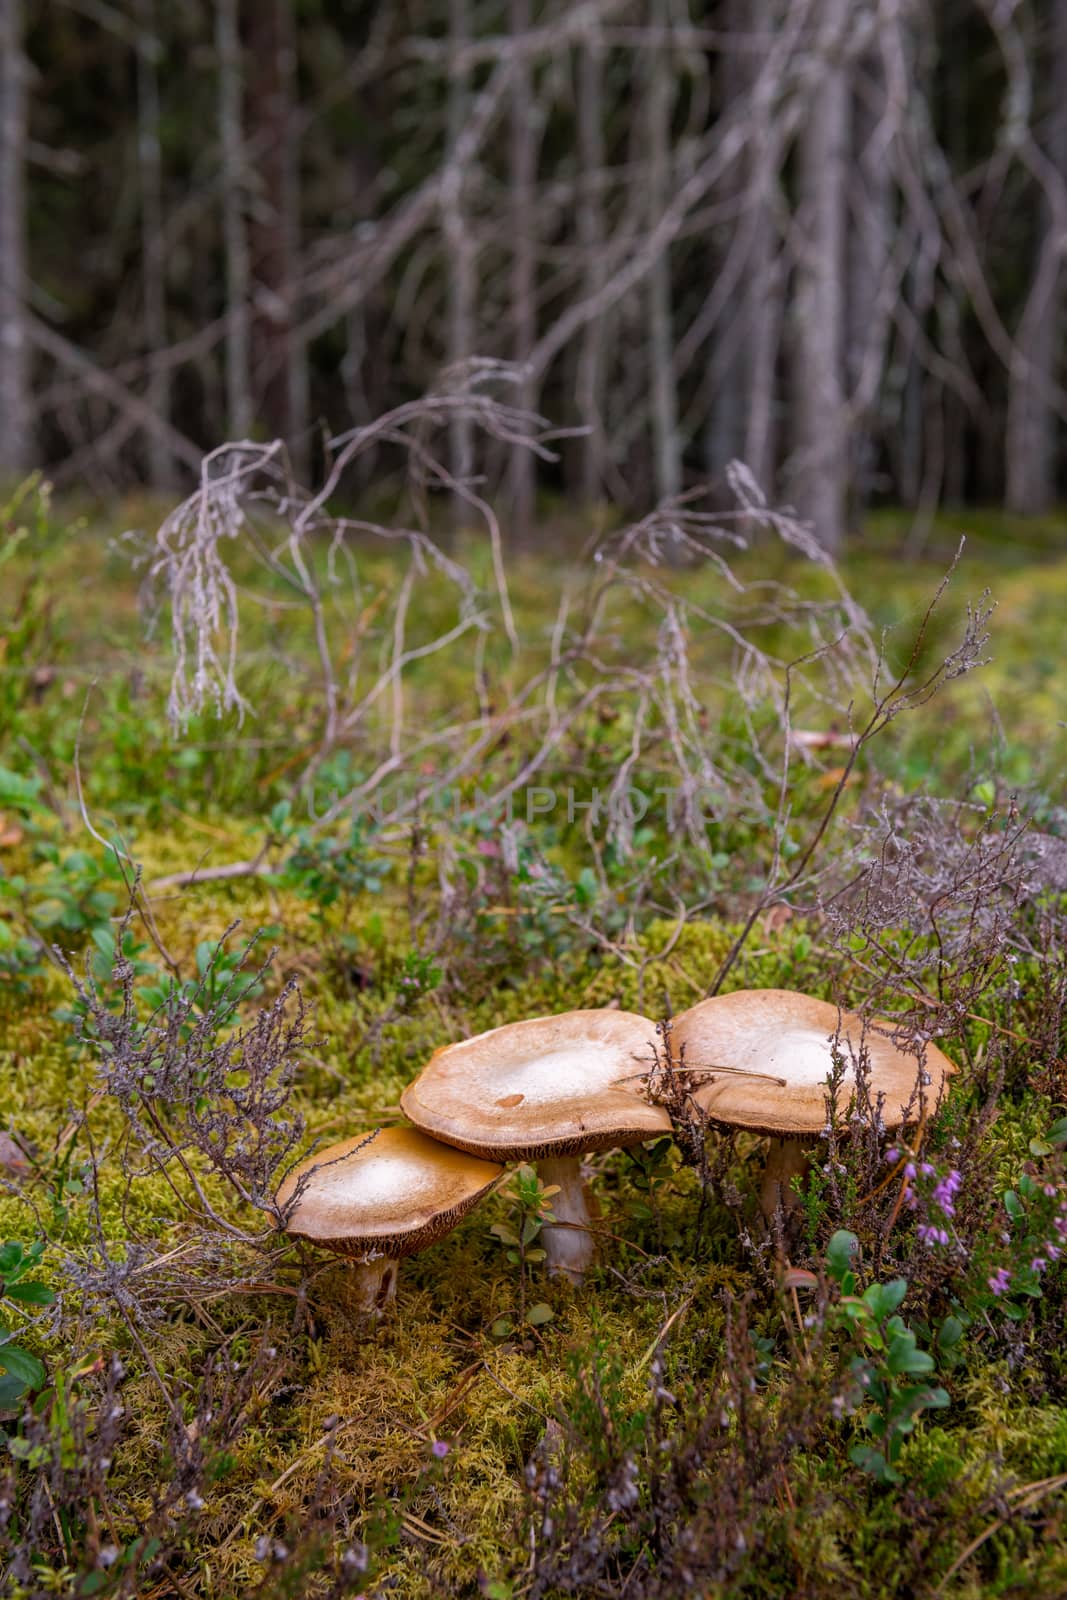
553	1089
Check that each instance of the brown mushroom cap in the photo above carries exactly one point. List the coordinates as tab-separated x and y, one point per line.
551	1086
389	1194
788	1036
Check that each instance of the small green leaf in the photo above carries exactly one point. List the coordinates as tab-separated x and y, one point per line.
884	1298
904	1356
20	1364
873	1462
1057	1134
501	1328
539	1314
1013	1205
950	1334
34	1294
11	1392
16	790
842	1253
10	1257
1040	1147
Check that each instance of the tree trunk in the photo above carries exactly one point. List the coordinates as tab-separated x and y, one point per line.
820	465
14	362
235	238
742	418
869	224
523	162
590	377
763	330
275	230
153	253
658	107
1030	476
728	407
458	241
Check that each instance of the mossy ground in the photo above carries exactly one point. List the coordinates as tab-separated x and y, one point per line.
369	1403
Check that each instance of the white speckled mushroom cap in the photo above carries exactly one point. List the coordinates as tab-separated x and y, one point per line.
390	1193
550	1086
781	1035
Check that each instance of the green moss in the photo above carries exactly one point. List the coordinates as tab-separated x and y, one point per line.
349	1415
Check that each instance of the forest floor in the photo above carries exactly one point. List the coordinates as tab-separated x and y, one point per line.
715	1411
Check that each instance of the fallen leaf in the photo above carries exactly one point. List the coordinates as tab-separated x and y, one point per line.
811	739
13	1158
10	833
798	1278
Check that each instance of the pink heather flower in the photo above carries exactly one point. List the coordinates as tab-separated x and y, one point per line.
1038	1264
1000	1280
439	1449
909	1170
945	1193
1053	1252
892	1155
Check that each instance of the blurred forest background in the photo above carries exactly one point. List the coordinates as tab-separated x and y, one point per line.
823	236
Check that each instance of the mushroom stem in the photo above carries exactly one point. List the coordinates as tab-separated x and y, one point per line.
568	1250
374	1284
786	1159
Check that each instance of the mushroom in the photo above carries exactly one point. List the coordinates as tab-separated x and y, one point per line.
379	1197
548	1090
765	1055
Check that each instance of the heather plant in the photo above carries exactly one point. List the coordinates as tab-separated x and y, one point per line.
927	912
64	1455
198	1094
669	1083
672	1489
999	1268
